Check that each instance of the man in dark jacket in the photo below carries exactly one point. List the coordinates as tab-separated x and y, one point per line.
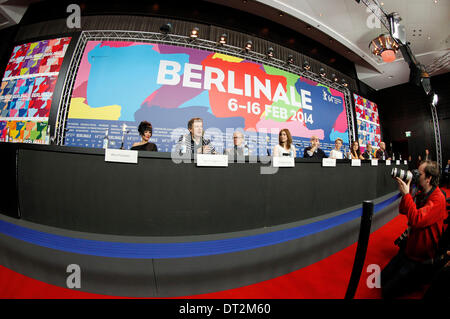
314	151
381	153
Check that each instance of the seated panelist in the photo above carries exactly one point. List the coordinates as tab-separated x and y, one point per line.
239	146
145	131
194	142
314	151
285	146
368	153
336	152
355	152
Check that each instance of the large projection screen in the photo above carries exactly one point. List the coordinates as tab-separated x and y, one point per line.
368	122
121	82
26	90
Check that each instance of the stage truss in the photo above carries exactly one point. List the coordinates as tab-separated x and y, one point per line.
437	134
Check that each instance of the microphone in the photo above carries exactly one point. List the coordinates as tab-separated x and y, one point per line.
106	139
268	145
246	150
201	143
183	144
124	133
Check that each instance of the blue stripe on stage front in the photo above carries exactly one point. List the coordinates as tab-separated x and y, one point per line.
178	250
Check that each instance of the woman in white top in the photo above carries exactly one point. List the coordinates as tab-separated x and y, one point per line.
284	147
336	152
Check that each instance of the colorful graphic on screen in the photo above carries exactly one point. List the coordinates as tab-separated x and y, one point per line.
128	82
368	122
26	90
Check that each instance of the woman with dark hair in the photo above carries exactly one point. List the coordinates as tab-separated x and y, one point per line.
145	131
285	146
355	152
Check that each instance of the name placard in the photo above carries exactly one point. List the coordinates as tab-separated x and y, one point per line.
405	162
374	162
283	161
205	160
121	156
388	162
397	162
356	162
328	162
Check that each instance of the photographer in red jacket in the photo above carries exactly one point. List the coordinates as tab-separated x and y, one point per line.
426	213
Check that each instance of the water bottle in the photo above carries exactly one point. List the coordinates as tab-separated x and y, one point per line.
245	150
393	156
7	135
47	135
106	140
400	156
183	145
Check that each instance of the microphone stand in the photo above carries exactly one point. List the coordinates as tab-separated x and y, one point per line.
123	138
124	133
201	143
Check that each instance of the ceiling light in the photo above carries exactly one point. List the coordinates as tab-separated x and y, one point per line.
322	72
306	66
385	47
166	28
290	59
334	77
195	33
248	46
223	39
344	83
270	52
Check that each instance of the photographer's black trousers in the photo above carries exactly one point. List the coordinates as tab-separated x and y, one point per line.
403	275
440	286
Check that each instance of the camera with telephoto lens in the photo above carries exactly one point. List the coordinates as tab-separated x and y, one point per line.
406	176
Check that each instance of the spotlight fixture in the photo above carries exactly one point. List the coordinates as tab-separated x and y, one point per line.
270	53
385	47
166	28
334	77
290	59
344	83
248	46
223	39
322	72
425	80
194	33
306	66
435	99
